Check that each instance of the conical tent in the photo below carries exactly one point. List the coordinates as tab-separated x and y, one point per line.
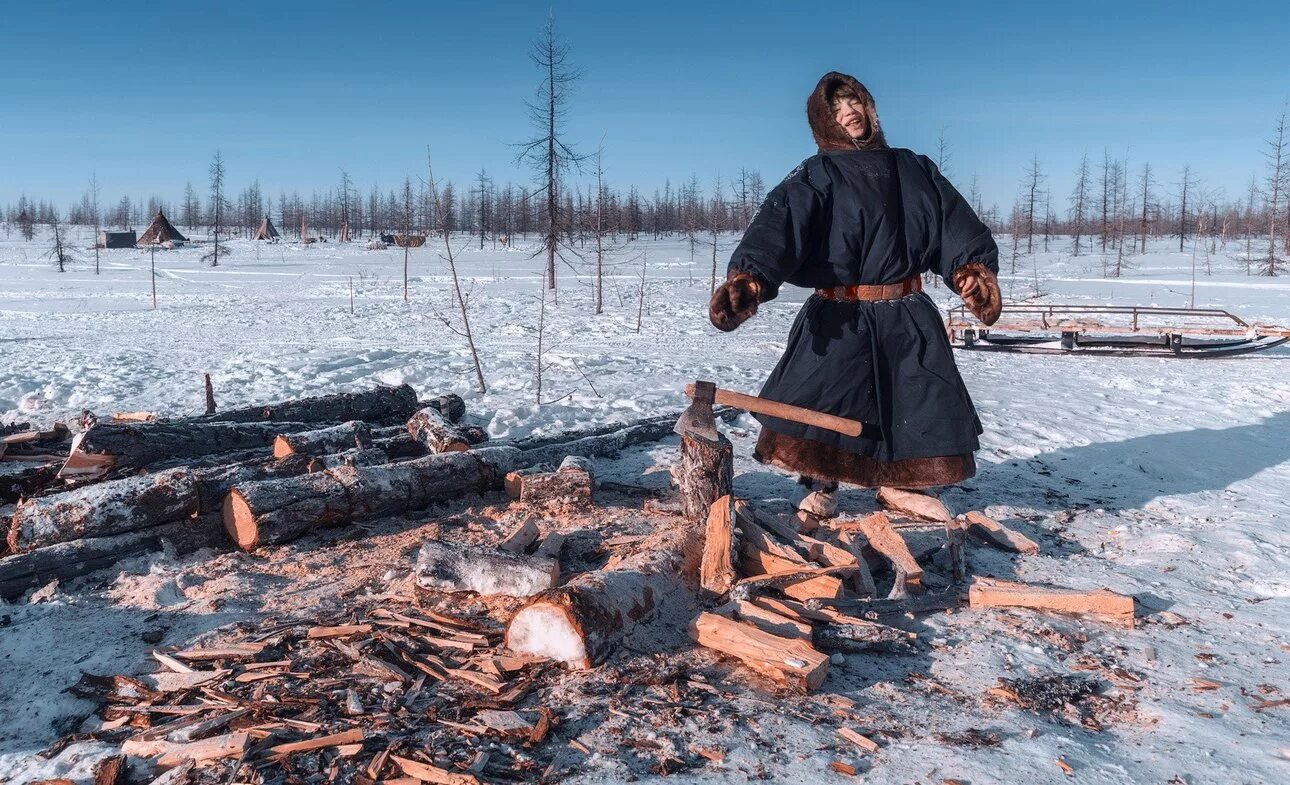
267	230
161	231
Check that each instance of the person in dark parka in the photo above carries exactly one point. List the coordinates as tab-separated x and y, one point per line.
859	223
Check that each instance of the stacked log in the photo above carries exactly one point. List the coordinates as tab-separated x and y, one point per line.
382	405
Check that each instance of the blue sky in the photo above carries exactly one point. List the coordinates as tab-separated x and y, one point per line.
143	93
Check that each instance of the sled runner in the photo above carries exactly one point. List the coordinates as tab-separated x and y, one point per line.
1113	330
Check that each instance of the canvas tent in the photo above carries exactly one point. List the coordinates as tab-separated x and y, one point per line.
108	239
161	231
267	231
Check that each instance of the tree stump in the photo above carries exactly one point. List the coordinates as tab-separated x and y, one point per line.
705	473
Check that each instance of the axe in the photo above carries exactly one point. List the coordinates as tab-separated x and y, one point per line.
699	421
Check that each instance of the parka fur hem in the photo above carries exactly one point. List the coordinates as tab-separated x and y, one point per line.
827	463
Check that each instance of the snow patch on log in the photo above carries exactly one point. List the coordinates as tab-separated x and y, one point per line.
449	566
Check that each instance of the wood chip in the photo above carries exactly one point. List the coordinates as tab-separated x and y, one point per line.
843	768
352	736
426	772
339	631
863	742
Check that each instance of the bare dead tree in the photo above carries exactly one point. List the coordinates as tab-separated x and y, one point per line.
216	171
1275	185
942	153
1184	190
640	295
600	228
548	152
444	230
1079	201
1033	187
408	206
1144	182
59	251
94	213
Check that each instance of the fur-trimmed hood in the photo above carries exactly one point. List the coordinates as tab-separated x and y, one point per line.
829	135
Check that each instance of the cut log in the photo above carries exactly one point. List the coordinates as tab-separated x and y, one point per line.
1108	605
551	545
134	417
64	561
372	456
717	569
759	564
650	429
134	503
323	441
788	661
886	541
425	772
381	405
914	504
572	483
447	566
998	535
432	430
104	509
861	635
582	622
451	406
704	474
137	445
274	511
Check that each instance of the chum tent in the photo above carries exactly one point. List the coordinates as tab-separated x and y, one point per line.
161	231
267	231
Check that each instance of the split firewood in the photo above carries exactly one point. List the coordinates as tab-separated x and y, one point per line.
551	545
914	504
379	405
519	538
863	742
998	535
717	569
55	435
426	772
704	474
886	541
955	534
1108	605
798	579
323	441
788	661
83	466
449	566
855	543
861	635
166	754
769	621
353	736
180	682
798	582
572	482
64	561
276	511
134	417
871	610
432	430
582	622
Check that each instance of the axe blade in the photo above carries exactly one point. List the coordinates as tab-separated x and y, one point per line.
698	419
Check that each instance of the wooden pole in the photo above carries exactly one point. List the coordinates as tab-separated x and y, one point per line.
153	254
351	295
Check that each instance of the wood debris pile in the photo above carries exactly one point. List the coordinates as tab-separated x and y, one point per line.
429	692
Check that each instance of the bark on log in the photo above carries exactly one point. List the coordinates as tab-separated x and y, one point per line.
380	405
455	567
323	441
134	503
372	456
429	428
705	473
137	445
24	481
275	511
583	622
64	561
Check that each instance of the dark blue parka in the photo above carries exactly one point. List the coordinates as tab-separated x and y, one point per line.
873	216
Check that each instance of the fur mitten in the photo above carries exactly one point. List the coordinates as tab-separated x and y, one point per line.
735	301
979	288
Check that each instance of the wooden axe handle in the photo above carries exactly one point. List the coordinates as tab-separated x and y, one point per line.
784	411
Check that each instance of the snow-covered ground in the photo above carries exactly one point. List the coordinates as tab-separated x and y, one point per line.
1163	478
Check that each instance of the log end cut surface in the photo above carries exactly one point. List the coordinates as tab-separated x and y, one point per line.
547	630
239	522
